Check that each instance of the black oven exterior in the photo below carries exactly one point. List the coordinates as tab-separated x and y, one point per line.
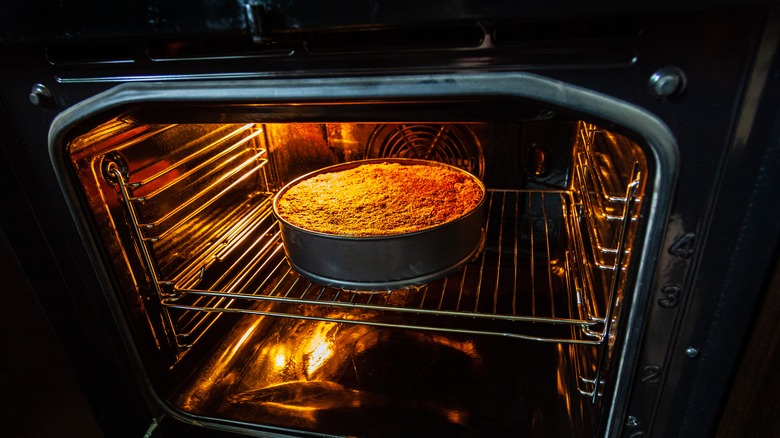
721	236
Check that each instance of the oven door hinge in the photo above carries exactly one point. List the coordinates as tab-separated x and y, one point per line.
152	427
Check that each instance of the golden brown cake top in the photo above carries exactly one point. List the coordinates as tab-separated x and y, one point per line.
380	199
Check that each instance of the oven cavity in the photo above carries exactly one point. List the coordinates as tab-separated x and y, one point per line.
184	211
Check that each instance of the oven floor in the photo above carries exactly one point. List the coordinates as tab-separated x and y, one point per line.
346	379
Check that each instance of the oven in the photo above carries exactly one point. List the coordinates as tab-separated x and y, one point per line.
607	287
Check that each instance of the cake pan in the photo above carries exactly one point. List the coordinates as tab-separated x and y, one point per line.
383	262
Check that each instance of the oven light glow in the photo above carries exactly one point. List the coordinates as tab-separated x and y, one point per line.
298	357
280	360
319	352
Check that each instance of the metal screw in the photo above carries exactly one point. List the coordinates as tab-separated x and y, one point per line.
41	96
667	82
691	352
632	421
666	85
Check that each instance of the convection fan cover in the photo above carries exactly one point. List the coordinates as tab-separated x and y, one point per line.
454	144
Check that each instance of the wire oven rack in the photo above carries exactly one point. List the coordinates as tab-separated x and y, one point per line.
508	291
527	287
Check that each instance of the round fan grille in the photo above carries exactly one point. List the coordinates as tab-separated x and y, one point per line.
449	143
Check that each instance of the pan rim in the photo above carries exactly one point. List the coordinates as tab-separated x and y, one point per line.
373	237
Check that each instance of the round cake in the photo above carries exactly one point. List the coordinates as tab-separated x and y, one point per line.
379	199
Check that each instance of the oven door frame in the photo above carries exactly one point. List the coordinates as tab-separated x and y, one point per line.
343	92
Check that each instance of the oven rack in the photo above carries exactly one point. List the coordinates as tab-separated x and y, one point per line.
534	280
603	169
525	284
605	280
610	159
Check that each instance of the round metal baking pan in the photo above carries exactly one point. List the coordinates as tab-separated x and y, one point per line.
383	262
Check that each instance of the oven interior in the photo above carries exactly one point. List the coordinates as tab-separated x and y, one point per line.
521	340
